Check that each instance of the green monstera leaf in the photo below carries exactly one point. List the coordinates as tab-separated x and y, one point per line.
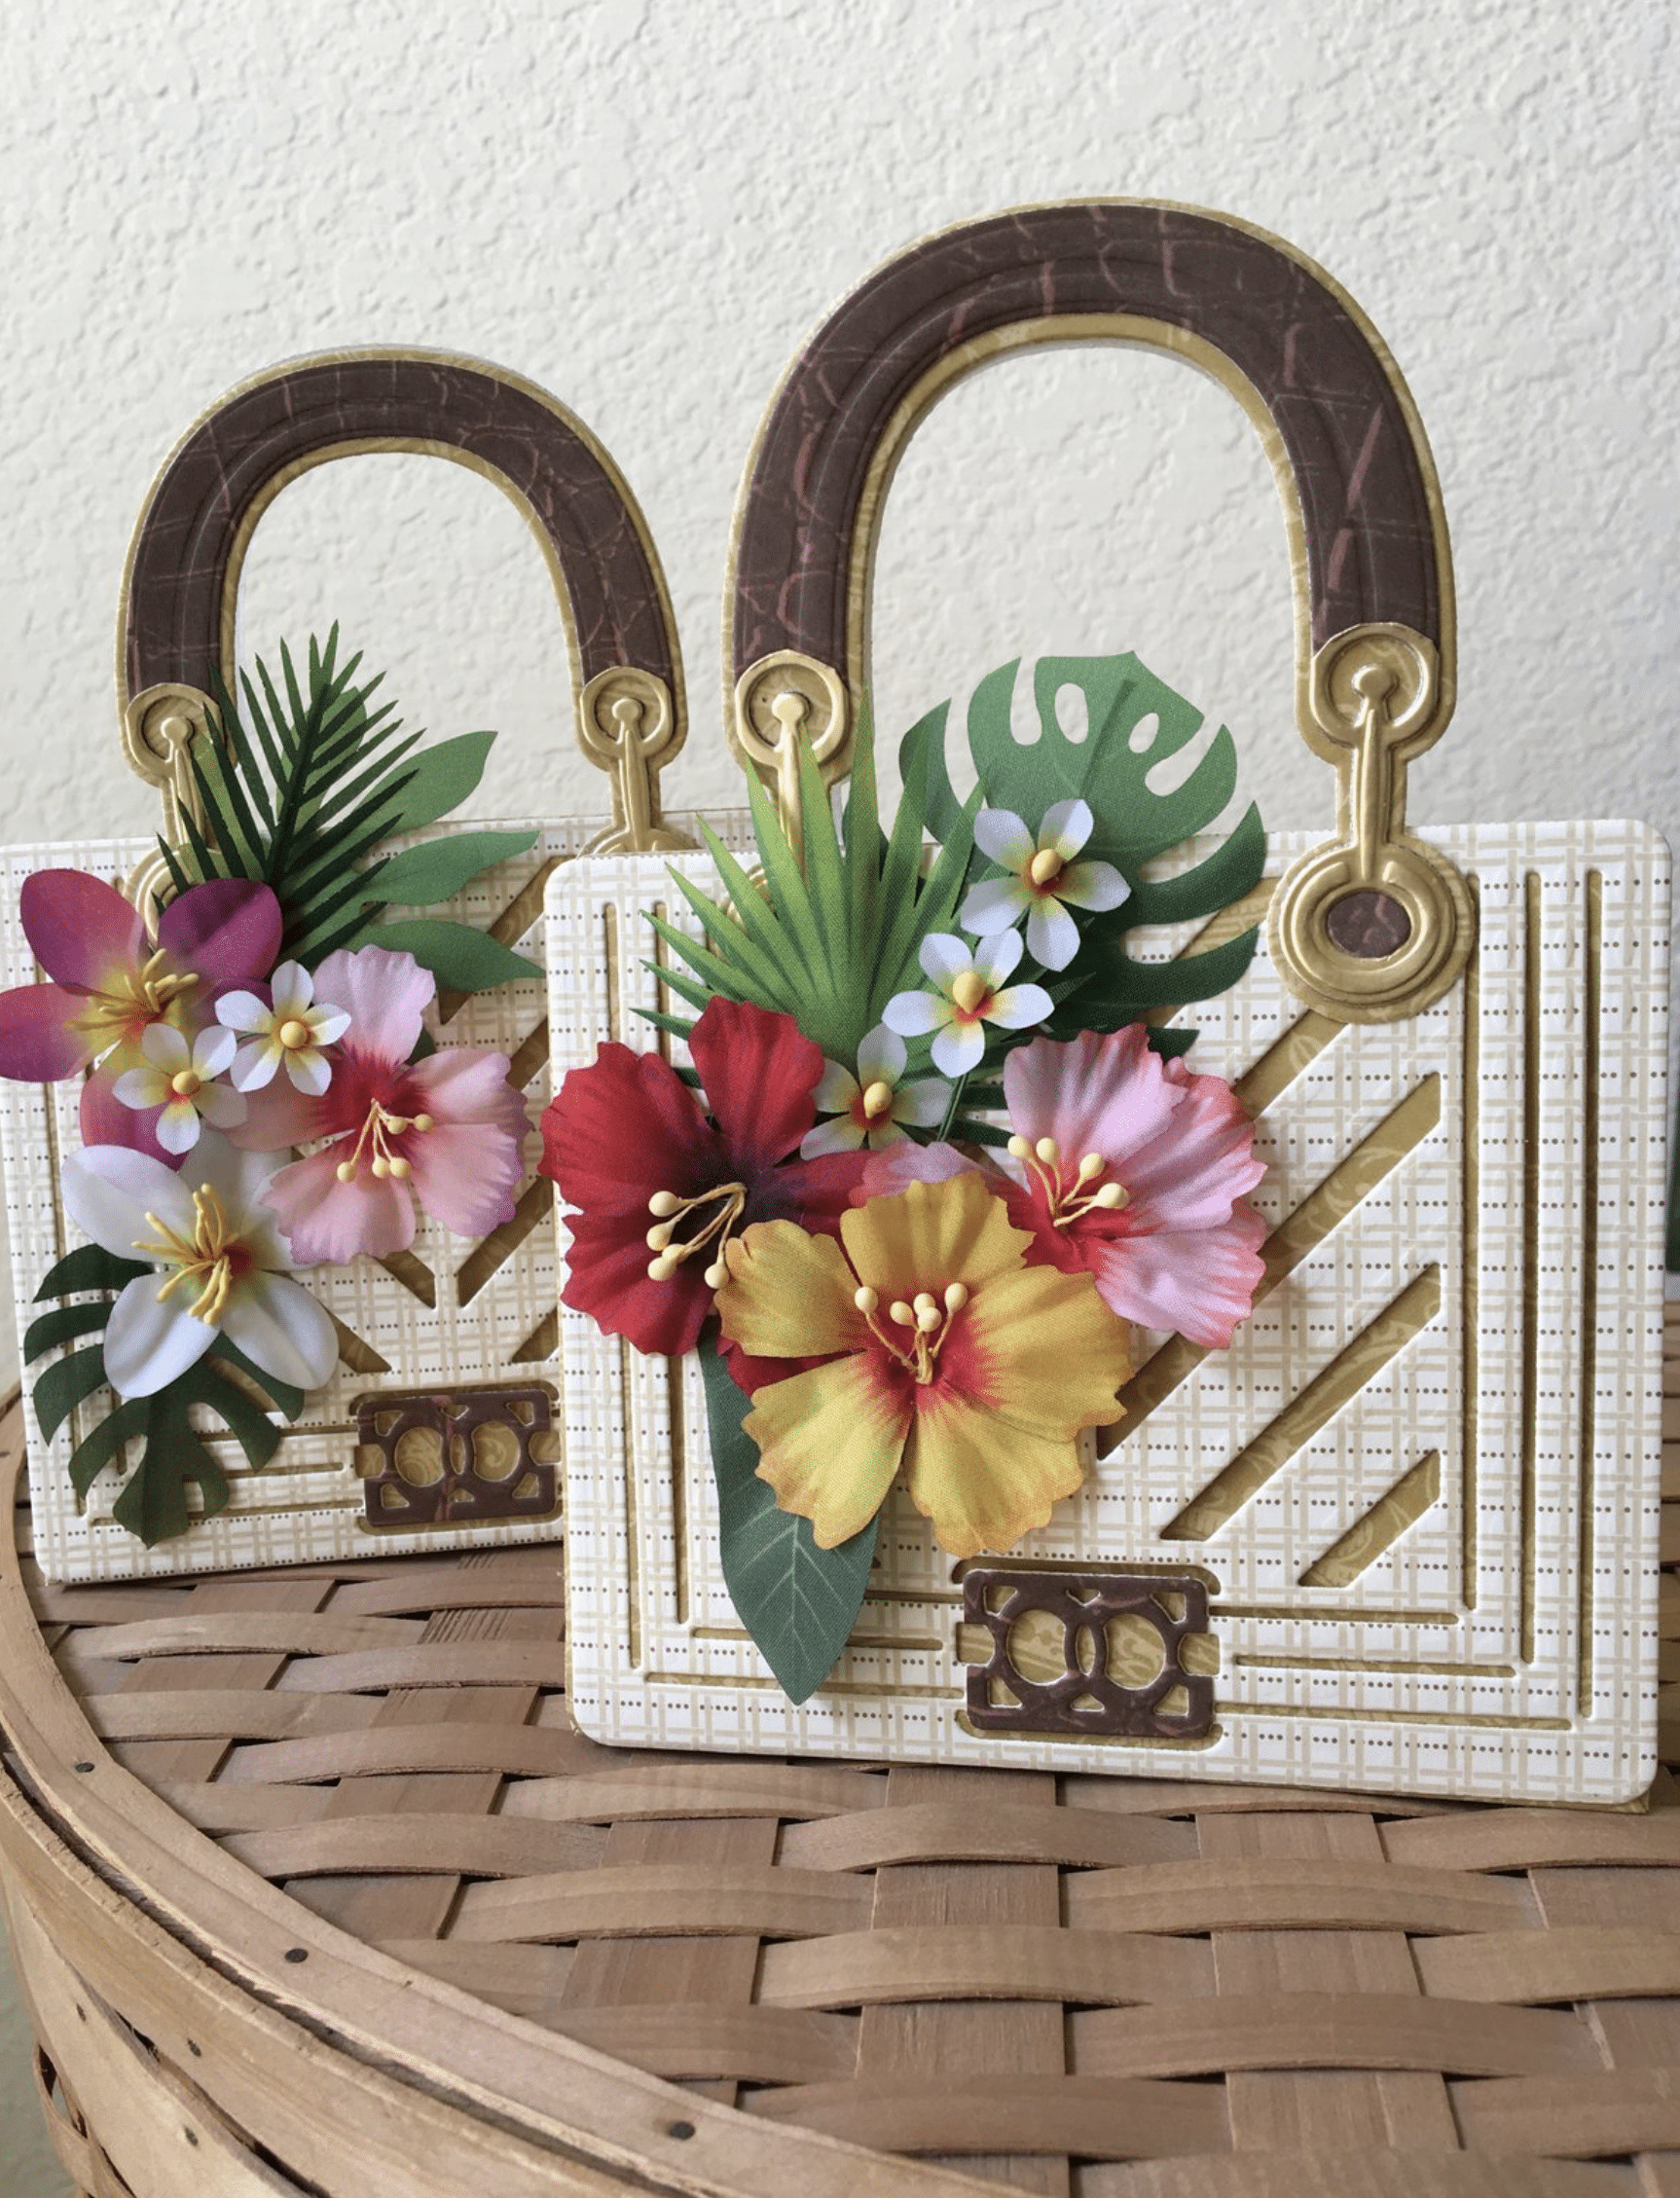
1110	769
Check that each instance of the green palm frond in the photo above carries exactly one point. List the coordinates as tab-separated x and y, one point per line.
836	929
305	782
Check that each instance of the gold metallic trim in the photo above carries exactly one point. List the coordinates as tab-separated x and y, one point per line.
1470	1269
777	699
1529	1402
1376	701
1357	1365
1586	1488
424	447
1376	1665
626	724
1337	1615
1295	1237
159	726
1376	1531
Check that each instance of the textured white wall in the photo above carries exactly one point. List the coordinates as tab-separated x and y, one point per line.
644	207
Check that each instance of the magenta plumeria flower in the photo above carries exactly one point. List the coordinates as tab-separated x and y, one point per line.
447	1130
1043	880
971	990
871	1107
181	1081
109	984
291	1026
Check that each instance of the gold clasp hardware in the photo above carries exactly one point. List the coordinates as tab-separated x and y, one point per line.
1374	925
159	726
626	724
777	699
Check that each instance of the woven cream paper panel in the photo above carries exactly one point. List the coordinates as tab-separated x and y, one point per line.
448	1312
1422	1486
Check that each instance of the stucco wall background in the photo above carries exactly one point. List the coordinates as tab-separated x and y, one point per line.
644	207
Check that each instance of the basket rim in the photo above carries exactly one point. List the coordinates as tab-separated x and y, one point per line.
107	1839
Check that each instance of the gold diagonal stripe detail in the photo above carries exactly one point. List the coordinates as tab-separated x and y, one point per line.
480	1264
413	1274
1301	1233
1346	1374
359	1357
515	920
1379	1529
540	1343
1219	930
1286	1058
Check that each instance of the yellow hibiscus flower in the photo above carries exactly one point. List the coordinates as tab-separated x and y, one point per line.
946	1355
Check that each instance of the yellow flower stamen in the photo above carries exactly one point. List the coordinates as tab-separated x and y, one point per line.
729	1201
380	1126
209	1257
141	997
1044	866
929	1322
185	1084
1061	1191
295	1035
877	1100
968	991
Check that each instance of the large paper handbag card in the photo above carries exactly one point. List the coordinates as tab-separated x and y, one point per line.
1048	1289
284	1267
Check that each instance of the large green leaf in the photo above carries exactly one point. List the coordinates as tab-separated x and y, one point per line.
438	868
441	778
457	955
798	1602
153	1503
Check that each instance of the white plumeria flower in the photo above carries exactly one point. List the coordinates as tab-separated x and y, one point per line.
871	1106
1043	877
181	1078
970	994
292	1029
223	1265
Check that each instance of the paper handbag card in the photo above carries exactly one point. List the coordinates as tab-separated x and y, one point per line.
283	1264
1048	1289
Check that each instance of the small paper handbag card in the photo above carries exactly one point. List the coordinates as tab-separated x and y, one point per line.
1045	1288
284	1267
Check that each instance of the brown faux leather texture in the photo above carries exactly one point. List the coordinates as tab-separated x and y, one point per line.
1364	486
174	607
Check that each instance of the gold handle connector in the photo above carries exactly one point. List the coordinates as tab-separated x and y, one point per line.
626	724
1374	925
776	700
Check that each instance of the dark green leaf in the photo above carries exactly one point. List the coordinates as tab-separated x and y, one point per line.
88	1267
1232	869
443	777
438	870
797	1601
153	1501
257	1435
289	1399
60	1387
458	956
96	1450
60	1326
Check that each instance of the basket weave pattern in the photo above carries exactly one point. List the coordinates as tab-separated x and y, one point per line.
1090	1986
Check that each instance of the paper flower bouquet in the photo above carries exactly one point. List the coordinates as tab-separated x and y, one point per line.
930	1162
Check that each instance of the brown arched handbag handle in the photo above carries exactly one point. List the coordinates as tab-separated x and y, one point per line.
1374	608
184	566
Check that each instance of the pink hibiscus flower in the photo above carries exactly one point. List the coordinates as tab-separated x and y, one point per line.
661	1188
1130	1167
447	1131
109	984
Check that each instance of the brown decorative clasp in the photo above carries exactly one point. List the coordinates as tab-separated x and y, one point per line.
453	1458
1095	1654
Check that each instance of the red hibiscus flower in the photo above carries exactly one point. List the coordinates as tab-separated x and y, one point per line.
661	1181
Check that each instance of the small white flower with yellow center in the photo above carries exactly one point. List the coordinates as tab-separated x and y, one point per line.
1043	880
871	1107
181	1078
972	992
221	1266
293	1028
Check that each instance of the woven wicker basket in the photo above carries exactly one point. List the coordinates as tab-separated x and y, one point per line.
313	1888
